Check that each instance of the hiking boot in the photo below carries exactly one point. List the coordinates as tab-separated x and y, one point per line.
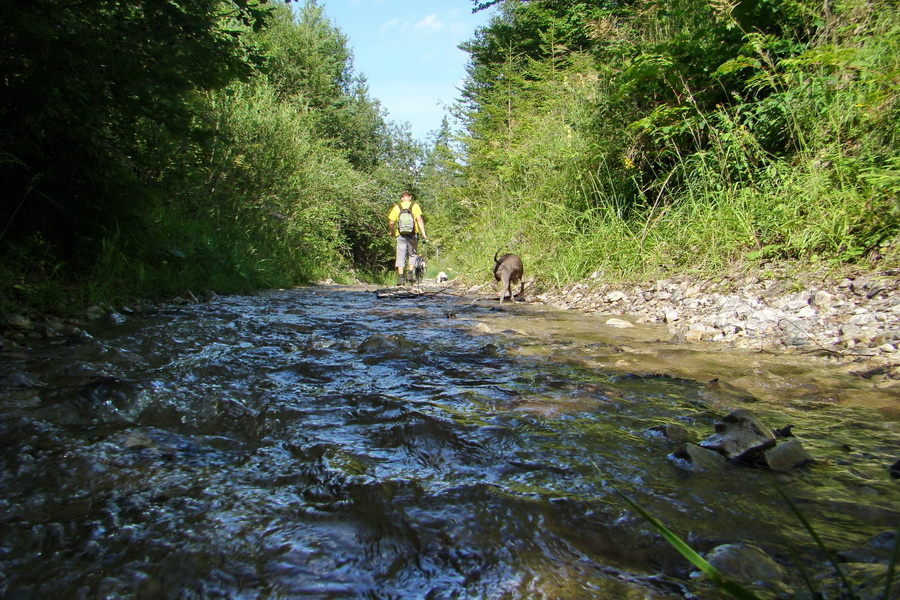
401	279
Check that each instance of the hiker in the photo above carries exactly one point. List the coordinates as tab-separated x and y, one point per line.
405	223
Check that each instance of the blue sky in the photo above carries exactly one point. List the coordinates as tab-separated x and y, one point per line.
407	51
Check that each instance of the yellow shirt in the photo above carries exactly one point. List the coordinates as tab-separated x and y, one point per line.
395	214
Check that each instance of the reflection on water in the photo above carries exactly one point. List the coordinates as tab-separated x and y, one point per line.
328	443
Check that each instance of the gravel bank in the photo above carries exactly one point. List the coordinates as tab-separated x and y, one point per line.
852	317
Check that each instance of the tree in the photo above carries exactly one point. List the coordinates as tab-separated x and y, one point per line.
83	83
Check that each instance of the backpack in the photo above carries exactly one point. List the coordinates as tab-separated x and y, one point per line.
406	223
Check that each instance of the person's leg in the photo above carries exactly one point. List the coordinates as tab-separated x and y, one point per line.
413	244
400	258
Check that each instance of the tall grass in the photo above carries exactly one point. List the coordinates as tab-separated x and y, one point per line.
267	208
806	169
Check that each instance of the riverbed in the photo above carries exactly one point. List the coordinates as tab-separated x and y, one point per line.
346	442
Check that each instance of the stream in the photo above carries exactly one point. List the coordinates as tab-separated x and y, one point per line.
332	442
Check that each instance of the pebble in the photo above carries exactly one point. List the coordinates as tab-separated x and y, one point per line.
855	316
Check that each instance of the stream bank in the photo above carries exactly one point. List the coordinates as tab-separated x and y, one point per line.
849	318
852	315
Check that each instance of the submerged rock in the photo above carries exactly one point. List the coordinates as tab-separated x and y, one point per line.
877	550
745	562
390	346
672	432
867	580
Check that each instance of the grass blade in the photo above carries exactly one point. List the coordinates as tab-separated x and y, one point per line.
889	578
686	551
815	537
799	564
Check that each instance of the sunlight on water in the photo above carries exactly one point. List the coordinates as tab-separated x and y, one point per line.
328	443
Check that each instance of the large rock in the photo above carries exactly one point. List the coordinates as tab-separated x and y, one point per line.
786	456
695	458
746	563
740	435
17	322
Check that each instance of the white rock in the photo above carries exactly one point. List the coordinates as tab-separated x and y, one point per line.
863	320
744	310
620	323
822	299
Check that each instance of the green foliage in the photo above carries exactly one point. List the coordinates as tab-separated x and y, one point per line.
274	191
307	61
647	137
157	147
77	77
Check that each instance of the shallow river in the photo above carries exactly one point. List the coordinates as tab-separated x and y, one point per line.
330	443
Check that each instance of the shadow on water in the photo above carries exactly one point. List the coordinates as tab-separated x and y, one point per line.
328	443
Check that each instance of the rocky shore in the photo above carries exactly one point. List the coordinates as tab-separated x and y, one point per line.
850	316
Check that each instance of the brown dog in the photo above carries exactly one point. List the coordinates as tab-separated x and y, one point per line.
508	270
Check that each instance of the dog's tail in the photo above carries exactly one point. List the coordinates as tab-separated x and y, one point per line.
495	255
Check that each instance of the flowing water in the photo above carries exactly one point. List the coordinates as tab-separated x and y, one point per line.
331	443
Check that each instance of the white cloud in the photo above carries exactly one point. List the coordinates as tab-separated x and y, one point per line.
389	25
407	50
429	23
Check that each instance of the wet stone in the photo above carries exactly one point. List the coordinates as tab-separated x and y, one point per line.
697	458
739	435
395	344
745	563
787	456
672	432
619	323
